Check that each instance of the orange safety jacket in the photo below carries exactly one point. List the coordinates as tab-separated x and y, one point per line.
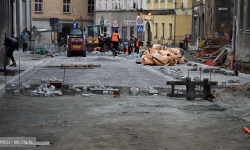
100	40
126	49
137	43
115	37
97	49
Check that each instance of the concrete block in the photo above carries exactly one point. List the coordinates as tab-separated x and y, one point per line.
193	69
221	71
152	91
205	70
59	93
16	92
45	86
52	88
236	81
41	94
189	64
52	94
105	92
85	90
45	90
43	81
136	90
78	90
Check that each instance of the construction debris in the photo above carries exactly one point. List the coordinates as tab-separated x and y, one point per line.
163	56
175	73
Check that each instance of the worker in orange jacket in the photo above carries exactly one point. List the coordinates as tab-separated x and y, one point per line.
136	45
115	40
100	41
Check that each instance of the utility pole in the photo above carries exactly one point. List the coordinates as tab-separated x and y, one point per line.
174	21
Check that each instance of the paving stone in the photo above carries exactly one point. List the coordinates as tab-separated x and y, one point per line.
16	92
52	88
136	90
41	94
78	90
152	91
105	92
230	81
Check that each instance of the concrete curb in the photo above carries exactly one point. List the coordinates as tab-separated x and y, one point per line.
241	75
2	87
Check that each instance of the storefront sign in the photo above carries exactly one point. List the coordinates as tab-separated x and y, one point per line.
197	9
129	22
160	12
223	8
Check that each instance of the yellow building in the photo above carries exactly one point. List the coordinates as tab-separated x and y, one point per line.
167	21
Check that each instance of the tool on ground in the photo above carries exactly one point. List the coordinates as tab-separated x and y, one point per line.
190	89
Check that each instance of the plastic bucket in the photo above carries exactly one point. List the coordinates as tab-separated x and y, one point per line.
42	51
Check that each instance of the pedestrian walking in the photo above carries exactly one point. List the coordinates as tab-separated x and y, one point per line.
12	44
100	42
24	39
115	40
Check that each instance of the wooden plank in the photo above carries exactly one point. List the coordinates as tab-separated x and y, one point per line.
223	52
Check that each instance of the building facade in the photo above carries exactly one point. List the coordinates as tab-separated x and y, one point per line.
119	15
43	10
242	44
15	16
198	22
167	21
219	20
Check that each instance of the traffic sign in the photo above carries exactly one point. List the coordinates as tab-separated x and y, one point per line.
115	21
140	21
139	28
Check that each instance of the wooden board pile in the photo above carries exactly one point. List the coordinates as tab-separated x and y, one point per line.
162	56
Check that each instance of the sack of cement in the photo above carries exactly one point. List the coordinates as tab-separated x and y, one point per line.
160	60
153	51
147	61
176	51
157	47
168	53
181	60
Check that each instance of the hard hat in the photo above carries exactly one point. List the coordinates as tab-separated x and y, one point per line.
101	34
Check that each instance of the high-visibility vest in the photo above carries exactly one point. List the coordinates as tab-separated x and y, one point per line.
97	48
100	39
126	49
115	37
137	43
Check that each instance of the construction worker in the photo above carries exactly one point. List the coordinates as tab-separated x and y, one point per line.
115	40
108	43
12	44
100	41
137	45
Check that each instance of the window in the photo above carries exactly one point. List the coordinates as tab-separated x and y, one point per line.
91	7
170	31
163	26
112	4
38	5
124	32
119	4
106	4
125	4
99	4
156	29
66	6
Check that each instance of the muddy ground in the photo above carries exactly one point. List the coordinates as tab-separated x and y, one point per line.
128	122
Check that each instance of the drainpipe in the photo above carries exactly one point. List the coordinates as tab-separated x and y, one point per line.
174	20
234	32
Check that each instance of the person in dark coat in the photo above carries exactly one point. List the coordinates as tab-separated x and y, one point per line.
108	43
